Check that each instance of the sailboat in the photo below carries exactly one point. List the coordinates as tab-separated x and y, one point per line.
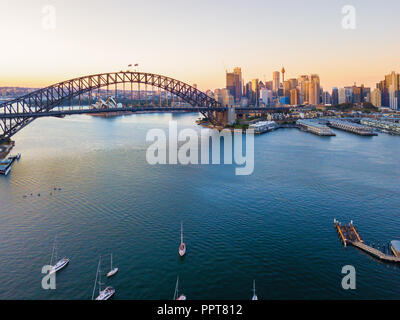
254	291
108	292
176	294
112	271
182	247
60	264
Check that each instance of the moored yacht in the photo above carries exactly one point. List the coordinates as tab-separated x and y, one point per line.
112	271
182	247
61	264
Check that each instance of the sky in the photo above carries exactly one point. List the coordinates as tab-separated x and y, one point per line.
197	41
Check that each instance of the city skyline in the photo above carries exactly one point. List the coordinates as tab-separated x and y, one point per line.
260	36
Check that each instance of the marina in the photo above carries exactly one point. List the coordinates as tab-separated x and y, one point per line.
349	235
386	126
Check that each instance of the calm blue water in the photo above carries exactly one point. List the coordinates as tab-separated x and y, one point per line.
275	226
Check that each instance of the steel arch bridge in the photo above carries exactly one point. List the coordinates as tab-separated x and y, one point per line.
18	113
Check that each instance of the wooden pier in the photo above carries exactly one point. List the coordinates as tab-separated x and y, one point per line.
349	235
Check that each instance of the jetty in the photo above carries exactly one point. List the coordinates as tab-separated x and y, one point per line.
349	235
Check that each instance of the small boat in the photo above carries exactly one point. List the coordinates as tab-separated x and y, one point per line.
176	294
18	156
182	247
112	271
105	294
59	265
254	291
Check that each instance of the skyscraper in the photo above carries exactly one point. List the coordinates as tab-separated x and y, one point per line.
276	81
255	88
376	97
335	96
234	83
314	90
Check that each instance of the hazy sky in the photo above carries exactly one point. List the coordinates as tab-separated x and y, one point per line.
196	41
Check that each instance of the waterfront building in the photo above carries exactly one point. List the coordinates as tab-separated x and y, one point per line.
352	127
314	127
263	126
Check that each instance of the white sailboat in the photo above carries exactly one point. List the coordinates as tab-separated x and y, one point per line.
182	247
112	271
105	294
61	264
254	291
176	294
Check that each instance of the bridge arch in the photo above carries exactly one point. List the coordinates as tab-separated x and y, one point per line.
18	113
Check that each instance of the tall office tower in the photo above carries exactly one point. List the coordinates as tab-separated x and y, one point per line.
268	85
283	75
255	88
342	96
358	94
249	92
326	98
293	83
294	97
335	96
392	83
286	88
376	97
314	90
238	83
230	83
234	83
302	83
276	81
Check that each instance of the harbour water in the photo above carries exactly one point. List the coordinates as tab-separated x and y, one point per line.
275	226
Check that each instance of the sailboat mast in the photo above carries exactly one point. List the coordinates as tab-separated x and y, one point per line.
54	251
111	261
100	275
95	281
176	289
181	232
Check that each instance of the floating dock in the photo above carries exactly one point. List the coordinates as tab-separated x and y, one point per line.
349	235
